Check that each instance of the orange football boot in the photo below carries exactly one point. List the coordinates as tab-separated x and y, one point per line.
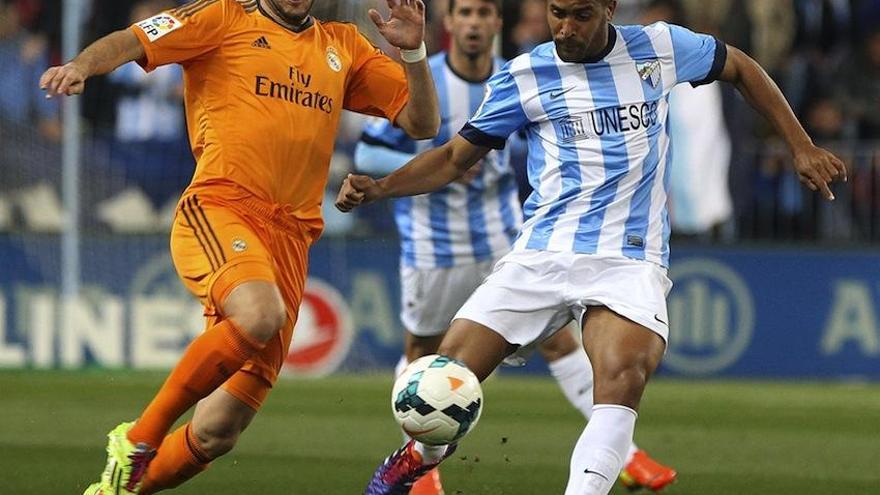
644	472
429	484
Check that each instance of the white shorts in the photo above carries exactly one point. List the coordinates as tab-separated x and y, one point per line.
431	297
531	294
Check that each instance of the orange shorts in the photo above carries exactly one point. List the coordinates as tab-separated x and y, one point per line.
217	245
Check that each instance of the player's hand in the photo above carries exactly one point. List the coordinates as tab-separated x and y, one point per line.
405	29
68	79
817	168
357	190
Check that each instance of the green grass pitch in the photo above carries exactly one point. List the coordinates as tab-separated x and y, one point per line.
324	437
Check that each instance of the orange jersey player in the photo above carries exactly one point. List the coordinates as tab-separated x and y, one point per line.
265	86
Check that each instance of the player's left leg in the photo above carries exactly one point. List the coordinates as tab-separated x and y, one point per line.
624	354
573	372
220	418
215	428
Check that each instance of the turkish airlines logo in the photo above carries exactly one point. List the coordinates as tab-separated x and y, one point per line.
323	333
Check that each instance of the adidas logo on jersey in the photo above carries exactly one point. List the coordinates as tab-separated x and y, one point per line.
261	42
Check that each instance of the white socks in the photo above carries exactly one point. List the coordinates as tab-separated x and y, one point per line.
574	374
601	450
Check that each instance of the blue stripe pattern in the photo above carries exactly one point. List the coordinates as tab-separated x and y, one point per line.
503	107
694	54
476	215
667	177
508	192
550	80
623	198
537	161
403	208
433	232
641	50
614	155
438	209
438	66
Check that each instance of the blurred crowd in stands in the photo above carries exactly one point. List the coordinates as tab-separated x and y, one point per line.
730	178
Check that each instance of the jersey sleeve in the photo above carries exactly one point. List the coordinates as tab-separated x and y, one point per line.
379	160
500	115
381	132
699	58
377	85
182	34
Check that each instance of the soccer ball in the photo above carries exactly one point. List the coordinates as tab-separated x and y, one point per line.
437	400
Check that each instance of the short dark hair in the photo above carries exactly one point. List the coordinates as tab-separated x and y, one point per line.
497	4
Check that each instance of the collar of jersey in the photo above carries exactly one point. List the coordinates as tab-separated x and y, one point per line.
302	27
463	78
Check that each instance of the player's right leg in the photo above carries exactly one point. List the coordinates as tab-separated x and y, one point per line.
430	299
481	349
416	346
239	286
219	419
498	303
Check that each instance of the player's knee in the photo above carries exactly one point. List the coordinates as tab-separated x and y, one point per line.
258	309
263	321
621	385
217	439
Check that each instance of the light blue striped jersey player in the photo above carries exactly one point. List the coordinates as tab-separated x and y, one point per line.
459	224
597	134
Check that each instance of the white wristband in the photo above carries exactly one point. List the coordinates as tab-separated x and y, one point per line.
414	56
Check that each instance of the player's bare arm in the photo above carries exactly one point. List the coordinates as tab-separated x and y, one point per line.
816	167
425	173
405	29
100	57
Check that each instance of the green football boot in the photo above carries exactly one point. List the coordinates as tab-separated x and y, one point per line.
126	465
94	489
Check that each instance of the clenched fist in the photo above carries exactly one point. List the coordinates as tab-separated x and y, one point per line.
357	190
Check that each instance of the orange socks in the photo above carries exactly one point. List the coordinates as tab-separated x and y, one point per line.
208	361
180	458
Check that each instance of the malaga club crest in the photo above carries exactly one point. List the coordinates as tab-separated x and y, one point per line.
649	72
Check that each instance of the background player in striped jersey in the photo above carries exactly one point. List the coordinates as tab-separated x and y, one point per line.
451	238
595	243
265	87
